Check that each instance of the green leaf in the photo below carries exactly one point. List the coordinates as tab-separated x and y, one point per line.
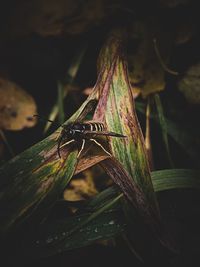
182	134
57	237
116	108
175	178
69	79
131	190
61	111
103	222
36	175
30	177
97	223
132	173
103	198
5	141
187	139
54	237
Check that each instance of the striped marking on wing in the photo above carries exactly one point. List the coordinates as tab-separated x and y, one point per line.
95	126
105	133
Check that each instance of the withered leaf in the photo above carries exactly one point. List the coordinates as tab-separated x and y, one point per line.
81	188
146	72
53	17
17	107
189	85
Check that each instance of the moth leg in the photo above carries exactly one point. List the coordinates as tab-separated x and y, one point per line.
65	144
58	135
97	143
82	147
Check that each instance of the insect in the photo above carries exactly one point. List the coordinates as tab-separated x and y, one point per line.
81	131
76	132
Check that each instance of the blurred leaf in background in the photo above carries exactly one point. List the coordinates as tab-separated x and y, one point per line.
81	188
16	107
54	17
189	84
147	75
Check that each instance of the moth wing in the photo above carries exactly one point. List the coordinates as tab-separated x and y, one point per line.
105	133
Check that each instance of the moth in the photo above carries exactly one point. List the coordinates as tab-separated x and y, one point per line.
80	131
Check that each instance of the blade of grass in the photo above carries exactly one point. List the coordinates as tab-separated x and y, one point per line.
96	213
163	126
127	186
69	79
175	179
188	140
61	112
56	237
148	135
3	137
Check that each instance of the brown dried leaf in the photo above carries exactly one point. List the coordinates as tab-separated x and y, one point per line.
40	16
146	73
189	85
17	107
173	3
53	17
89	161
81	188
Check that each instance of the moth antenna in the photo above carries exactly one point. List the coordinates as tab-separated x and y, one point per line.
43	119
